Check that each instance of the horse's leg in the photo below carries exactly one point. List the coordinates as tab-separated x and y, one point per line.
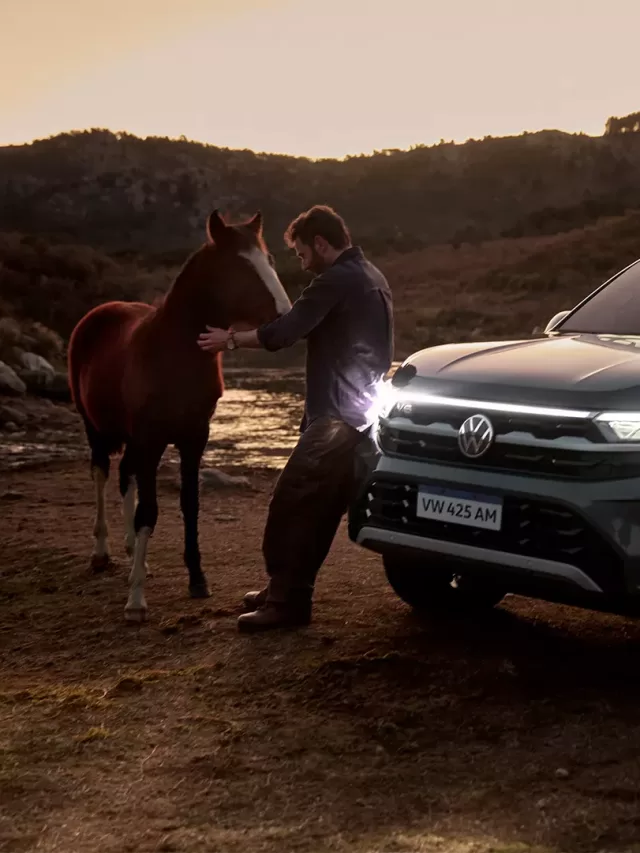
128	493
190	456
147	458
100	464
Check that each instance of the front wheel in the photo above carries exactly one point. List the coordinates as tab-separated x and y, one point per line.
434	589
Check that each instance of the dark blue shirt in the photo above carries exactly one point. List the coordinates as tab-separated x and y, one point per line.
346	316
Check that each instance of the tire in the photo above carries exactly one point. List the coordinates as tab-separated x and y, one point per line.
437	590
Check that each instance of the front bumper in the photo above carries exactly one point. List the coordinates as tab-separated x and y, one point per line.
560	539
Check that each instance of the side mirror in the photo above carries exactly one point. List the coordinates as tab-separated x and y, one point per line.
553	322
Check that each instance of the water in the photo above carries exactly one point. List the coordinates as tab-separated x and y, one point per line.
255	425
254	428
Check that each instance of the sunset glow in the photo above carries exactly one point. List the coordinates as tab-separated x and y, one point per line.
315	78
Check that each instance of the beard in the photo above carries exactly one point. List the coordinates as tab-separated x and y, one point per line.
318	264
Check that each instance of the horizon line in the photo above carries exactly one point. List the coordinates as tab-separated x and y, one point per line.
372	153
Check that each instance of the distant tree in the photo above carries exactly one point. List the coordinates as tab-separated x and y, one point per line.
626	124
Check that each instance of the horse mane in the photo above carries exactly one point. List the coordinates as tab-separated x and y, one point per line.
185	272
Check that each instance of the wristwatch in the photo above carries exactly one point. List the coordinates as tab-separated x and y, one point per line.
231	341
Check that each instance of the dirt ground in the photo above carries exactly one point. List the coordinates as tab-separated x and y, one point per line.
368	731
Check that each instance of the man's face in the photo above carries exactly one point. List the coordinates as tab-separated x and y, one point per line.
311	257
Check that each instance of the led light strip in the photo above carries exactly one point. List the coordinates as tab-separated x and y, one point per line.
483	405
626	417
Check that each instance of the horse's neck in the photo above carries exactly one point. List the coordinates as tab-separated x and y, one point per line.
177	325
180	317
185	310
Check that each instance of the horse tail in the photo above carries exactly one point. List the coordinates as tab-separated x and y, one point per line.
74	372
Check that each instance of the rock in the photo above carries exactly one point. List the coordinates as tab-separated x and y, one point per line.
37	363
10	495
35	380
11	427
11	414
562	773
10	382
58	388
215	479
54	386
125	686
61	417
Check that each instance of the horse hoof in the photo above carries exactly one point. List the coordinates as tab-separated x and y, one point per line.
135	616
100	563
200	590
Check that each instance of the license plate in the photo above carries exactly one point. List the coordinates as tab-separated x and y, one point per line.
466	508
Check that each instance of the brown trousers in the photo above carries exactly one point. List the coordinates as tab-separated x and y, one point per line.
311	496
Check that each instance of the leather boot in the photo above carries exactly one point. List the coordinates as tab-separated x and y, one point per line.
254	599
275	615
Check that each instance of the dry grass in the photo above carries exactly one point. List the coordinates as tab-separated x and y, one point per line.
503	288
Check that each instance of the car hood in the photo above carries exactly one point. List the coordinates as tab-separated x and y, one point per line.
594	371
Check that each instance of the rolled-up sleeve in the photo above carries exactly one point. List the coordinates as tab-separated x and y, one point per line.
311	308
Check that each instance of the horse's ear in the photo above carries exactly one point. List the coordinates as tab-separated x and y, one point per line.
256	223
215	226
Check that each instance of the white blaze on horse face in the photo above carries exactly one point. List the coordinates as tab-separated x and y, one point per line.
136	608
100	529
261	265
129	512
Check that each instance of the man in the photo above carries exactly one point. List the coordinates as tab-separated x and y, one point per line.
345	315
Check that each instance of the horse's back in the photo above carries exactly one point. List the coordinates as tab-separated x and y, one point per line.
97	358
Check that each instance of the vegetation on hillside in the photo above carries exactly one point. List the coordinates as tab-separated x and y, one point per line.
45	289
56	284
126	194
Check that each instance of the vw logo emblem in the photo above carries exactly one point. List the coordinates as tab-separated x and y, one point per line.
475	436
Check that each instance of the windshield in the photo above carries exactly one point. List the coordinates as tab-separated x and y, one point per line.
615	310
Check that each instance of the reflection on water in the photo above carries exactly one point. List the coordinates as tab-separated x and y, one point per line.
21	449
252	427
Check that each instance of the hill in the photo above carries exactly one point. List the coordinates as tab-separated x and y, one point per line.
125	194
485	239
505	288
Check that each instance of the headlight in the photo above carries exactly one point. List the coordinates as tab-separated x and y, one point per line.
620	426
382	400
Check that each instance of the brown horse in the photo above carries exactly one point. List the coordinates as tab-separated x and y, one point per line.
141	383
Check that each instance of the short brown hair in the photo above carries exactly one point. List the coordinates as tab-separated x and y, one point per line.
318	221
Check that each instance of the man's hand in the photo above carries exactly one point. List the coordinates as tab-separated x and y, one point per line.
213	340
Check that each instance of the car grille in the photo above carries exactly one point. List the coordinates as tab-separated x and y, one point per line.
530	527
437	441
504	422
530	459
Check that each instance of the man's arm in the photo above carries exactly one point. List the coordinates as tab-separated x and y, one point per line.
215	340
315	302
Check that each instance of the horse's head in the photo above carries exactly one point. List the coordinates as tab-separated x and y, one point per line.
246	290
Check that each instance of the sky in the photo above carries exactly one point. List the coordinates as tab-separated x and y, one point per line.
325	78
